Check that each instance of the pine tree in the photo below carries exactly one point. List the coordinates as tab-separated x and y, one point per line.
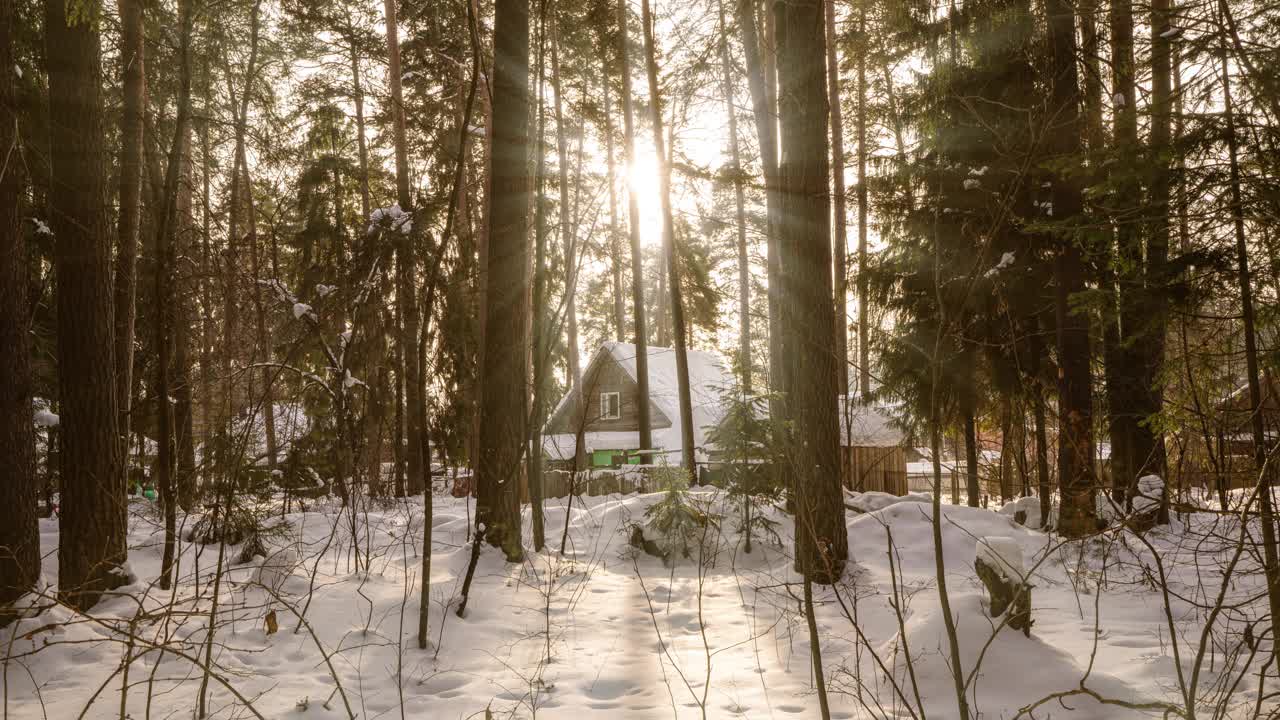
19	531
92	547
808	314
503	391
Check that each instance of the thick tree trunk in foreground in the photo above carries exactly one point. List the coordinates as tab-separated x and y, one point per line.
678	329
633	228
808	313
19	531
503	376
93	520
1076	479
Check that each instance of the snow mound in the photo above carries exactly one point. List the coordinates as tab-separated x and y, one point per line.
1015	671
1003	554
1150	493
1028	505
276	568
874	500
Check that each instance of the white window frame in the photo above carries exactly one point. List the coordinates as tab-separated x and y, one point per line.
617	406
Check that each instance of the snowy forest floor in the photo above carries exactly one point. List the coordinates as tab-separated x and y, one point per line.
605	631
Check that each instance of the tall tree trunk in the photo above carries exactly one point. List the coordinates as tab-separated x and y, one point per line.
406	269
1148	449
132	59
740	212
182	307
541	326
616	260
482	269
165	242
1075	400
19	484
688	451
633	228
567	239
840	251
1262	464
968	408
93	521
808	315
208	416
357	97
503	389
864	274
764	112
1124	379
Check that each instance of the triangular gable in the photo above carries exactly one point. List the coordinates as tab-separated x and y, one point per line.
603	373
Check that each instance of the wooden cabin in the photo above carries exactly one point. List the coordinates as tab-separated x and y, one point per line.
873	454
610	421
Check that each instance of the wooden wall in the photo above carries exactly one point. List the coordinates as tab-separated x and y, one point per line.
882	469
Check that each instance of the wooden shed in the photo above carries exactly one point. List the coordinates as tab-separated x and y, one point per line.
873	455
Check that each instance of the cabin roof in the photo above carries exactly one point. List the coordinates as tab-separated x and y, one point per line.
868	425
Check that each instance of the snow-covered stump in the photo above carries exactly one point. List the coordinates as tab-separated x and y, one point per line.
999	564
1146	504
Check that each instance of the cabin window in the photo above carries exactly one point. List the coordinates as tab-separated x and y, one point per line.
610	406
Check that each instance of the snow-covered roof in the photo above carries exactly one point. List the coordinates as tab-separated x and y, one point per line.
867	425
861	425
708	378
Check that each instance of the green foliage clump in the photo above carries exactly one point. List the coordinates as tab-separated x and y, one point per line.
743	439
675	522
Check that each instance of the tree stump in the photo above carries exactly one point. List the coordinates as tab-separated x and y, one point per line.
1002	576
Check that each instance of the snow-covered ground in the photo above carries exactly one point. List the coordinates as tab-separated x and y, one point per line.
605	631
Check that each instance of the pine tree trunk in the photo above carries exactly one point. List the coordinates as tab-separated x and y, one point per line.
541	343
1124	380
616	260
132	60
840	252
864	271
973	490
1148	450
183	392
165	243
406	271
19	484
208	417
808	314
1262	464
764	110
678	331
93	520
503	391
567	238
633	228
740	213
357	97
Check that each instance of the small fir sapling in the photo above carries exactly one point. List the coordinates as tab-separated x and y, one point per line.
672	525
742	438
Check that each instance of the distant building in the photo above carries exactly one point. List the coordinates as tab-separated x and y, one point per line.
872	454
